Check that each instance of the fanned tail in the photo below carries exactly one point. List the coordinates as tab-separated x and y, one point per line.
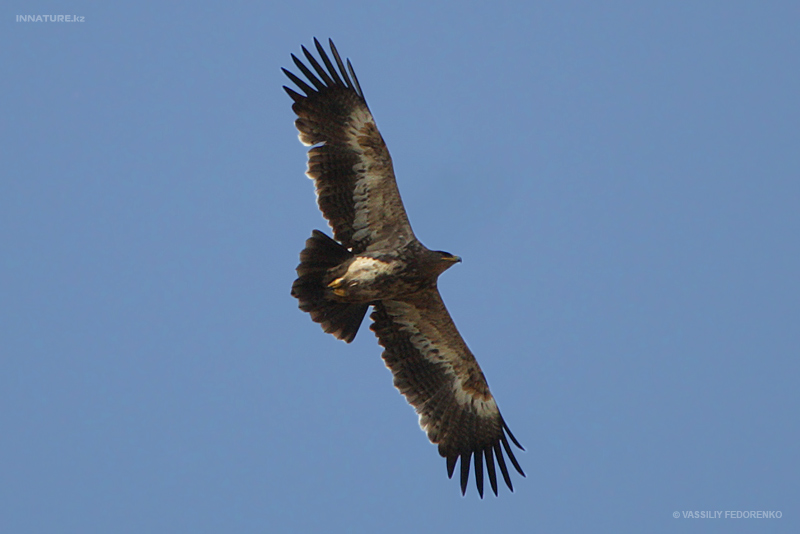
342	319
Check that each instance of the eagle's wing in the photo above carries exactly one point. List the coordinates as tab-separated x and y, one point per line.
349	162
436	372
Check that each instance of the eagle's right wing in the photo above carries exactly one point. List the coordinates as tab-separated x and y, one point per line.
438	375
349	162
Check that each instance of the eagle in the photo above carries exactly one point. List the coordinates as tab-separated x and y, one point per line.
374	259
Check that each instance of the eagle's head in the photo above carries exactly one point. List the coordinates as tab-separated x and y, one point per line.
444	260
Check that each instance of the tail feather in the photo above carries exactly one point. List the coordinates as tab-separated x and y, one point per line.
342	319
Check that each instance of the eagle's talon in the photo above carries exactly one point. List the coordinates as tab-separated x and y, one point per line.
336	284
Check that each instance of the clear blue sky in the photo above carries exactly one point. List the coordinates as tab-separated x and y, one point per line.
623	183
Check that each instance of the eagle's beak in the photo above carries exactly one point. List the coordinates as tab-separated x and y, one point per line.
455	259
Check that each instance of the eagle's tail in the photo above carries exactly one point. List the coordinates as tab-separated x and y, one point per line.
342	319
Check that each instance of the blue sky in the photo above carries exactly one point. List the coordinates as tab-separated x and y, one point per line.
623	184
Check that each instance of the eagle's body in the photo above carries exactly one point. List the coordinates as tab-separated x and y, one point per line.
376	260
383	275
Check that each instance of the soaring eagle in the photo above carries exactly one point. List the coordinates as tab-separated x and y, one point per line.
375	260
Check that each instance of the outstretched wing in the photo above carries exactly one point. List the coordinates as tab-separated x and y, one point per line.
436	372
349	162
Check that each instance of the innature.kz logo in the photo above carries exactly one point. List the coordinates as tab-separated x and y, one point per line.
50	18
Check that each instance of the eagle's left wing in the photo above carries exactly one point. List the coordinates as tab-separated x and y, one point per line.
348	160
436	372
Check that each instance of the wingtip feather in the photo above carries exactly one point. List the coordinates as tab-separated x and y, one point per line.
479	472
465	459
490	469
511	457
510	435
451	465
498	453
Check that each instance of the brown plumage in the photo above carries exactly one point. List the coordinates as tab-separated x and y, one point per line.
376	260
